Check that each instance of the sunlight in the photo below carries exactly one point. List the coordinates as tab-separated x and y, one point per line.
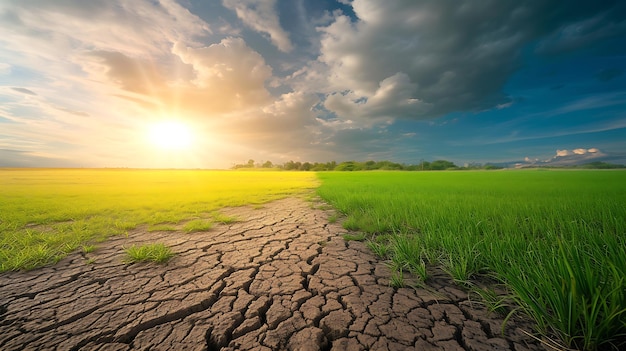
171	135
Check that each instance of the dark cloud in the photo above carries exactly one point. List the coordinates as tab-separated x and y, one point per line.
608	74
24	90
582	23
456	56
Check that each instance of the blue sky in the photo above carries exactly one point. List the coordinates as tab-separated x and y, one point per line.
83	84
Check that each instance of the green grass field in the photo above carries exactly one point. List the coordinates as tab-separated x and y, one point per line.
47	213
555	239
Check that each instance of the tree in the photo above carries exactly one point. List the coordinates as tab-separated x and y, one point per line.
441	165
268	164
349	166
369	165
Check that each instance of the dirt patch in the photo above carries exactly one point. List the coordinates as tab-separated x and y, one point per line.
281	279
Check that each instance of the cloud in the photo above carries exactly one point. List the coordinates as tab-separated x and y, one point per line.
50	28
99	72
591	102
261	16
608	74
21	159
289	129
229	75
562	153
287	125
219	78
97	93
24	90
583	24
131	74
5	68
453	57
575	156
392	98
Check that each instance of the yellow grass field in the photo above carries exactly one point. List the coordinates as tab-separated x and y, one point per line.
47	213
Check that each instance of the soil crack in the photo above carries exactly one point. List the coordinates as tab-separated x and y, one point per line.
281	277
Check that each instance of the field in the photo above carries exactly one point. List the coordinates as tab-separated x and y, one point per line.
547	244
47	213
554	239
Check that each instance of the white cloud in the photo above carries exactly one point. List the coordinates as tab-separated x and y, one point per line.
579	151
392	98
562	153
261	16
576	156
504	105
228	74
49	28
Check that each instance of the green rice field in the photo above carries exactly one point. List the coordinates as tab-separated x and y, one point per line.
47	213
556	240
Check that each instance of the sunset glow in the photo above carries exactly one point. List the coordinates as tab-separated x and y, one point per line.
171	135
209	84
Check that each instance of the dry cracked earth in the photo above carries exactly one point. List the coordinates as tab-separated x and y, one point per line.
282	278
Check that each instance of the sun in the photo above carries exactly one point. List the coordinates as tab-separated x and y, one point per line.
171	135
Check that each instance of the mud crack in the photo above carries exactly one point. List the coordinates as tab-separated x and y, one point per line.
282	278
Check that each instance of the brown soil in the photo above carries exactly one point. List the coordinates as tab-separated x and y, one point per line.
281	279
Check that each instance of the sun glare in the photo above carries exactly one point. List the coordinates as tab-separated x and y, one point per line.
171	135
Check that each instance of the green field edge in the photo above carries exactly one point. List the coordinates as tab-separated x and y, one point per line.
46	214
550	244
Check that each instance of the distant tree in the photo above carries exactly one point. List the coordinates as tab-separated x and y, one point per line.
349	166
388	165
306	166
441	165
412	168
268	164
318	167
369	165
601	165
250	163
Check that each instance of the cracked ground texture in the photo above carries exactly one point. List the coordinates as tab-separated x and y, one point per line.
282	278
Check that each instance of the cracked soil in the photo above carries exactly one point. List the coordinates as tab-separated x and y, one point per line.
282	278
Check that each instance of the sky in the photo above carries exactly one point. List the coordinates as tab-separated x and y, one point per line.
211	83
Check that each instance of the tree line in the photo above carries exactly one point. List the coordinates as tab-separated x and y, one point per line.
437	165
357	166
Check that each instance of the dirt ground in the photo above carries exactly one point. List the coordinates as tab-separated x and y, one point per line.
282	278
